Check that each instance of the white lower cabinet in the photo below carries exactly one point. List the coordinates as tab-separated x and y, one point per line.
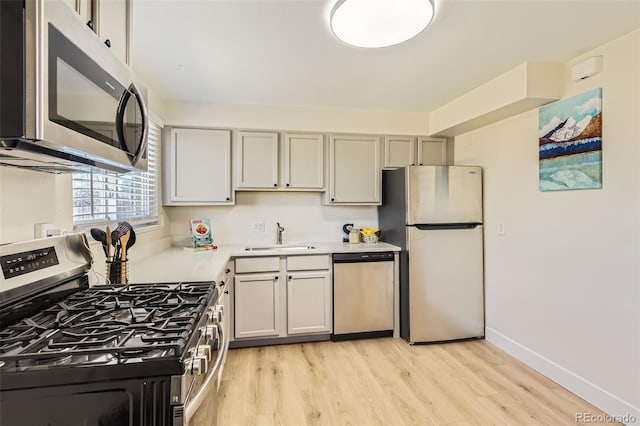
257	305
308	302
263	308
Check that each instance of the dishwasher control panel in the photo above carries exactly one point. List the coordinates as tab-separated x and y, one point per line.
379	256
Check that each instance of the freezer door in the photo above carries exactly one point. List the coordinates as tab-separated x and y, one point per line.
446	294
444	194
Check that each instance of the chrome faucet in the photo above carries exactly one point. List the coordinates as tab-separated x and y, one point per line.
279	230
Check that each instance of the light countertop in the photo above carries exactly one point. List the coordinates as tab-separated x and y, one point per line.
177	264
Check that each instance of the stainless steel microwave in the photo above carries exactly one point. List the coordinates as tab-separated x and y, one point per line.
66	101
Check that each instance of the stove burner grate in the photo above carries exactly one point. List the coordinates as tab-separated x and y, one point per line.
109	324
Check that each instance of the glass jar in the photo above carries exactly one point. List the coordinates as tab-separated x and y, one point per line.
354	236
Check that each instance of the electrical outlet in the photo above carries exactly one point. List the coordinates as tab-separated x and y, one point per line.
501	228
42	230
258	226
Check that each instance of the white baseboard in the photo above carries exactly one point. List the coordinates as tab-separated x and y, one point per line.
615	407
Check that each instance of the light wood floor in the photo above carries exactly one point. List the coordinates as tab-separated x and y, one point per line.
388	382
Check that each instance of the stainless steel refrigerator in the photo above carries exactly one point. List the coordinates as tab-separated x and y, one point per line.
435	214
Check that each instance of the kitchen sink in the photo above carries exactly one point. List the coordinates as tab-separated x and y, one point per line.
279	248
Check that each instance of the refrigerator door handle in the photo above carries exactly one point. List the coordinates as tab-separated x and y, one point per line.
441	226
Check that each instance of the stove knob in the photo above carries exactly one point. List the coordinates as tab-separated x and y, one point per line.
198	365
216	345
215	315
204	351
210	332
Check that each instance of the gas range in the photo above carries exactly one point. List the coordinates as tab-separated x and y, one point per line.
107	325
62	336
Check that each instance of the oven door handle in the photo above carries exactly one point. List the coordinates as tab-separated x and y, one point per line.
194	403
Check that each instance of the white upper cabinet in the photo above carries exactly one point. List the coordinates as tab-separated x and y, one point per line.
109	19
256	160
198	167
432	151
354	170
294	164
399	151
84	8
112	26
303	161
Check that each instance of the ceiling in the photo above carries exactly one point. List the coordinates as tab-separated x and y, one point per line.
282	53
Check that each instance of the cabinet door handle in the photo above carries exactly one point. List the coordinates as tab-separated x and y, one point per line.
90	25
226	292
226	271
228	199
276	278
290	277
333	199
107	42
287	184
275	184
420	164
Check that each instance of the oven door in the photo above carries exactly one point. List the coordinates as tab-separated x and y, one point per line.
141	401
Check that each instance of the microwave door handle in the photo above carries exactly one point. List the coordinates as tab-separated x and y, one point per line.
128	95
122	106
142	147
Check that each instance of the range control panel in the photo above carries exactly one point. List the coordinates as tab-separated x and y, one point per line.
17	264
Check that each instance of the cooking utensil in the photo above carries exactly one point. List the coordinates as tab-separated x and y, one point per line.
132	237
124	239
124	228
108	243
101	236
108	253
115	236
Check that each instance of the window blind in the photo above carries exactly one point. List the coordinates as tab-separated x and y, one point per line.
105	196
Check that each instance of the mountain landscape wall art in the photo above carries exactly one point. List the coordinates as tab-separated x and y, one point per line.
570	143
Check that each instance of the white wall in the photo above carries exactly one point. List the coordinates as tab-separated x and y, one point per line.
295	118
563	284
301	213
27	198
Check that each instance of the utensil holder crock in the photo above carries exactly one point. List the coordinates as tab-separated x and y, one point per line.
117	271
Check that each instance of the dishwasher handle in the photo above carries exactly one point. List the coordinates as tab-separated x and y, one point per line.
379	256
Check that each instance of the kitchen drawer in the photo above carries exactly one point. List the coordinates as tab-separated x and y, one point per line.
257	264
308	263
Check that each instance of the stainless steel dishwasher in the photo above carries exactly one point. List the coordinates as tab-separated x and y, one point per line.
362	295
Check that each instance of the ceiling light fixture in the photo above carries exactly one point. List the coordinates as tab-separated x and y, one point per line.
379	23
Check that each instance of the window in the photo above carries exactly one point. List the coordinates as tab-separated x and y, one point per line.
105	196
